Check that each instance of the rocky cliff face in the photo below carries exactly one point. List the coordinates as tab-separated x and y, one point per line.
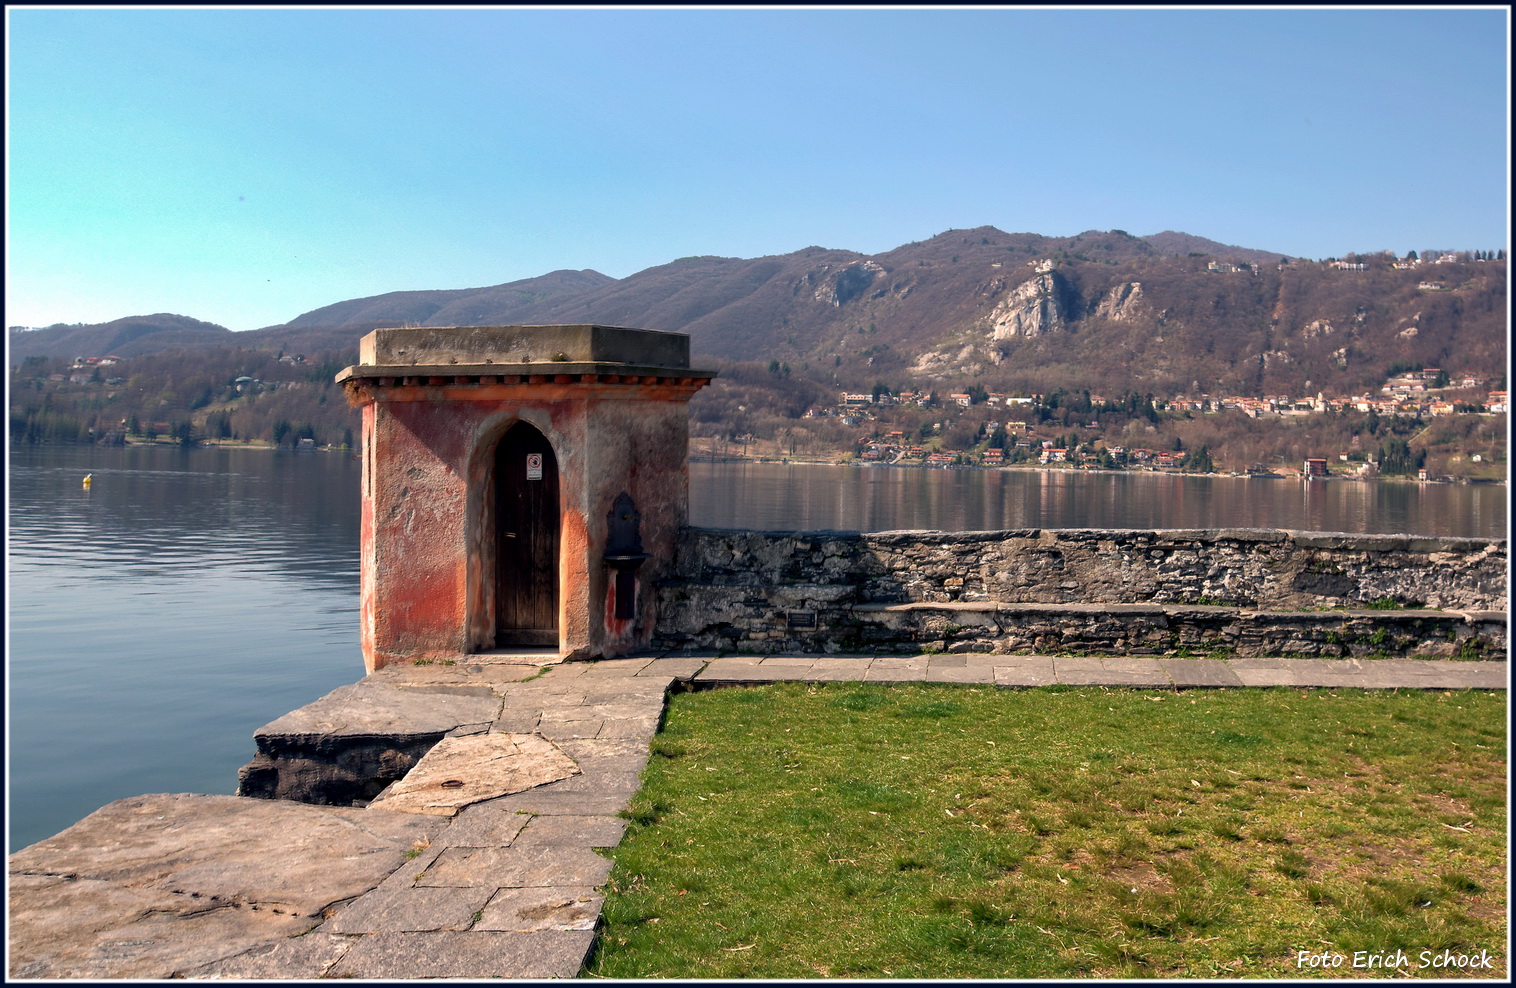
849	283
1122	302
1033	308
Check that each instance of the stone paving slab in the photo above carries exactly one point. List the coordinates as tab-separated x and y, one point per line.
959	673
608	780
365	708
572	831
278	855
1090	670
897	669
545	865
532	909
567	803
676	668
1029	670
481	954
1198	672
1134	671
566	727
727	671
488	824
296	959
153	885
410	910
63	927
629	727
463	770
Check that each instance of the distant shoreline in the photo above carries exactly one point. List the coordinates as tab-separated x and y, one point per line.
1286	473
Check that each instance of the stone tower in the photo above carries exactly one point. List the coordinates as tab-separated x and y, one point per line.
522	486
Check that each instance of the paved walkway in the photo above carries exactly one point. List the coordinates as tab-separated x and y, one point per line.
1127	670
509	887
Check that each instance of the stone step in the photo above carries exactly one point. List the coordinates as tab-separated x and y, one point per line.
1161	628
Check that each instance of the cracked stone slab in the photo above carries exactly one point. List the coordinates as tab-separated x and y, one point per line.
463	770
410	910
617	667
273	853
373	709
516	867
677	668
572	831
603	781
584	750
642	728
529	910
483	825
299	959
565	803
153	885
87	928
540	954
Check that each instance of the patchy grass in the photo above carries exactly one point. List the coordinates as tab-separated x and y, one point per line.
850	830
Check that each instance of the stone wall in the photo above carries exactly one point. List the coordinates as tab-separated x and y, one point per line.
1247	591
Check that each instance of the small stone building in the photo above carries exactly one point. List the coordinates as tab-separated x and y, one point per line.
522	486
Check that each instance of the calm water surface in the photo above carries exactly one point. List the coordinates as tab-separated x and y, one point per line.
190	597
777	496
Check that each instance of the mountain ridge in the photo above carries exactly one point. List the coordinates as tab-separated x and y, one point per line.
1100	309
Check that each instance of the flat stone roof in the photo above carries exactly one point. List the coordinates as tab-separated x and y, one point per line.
443	346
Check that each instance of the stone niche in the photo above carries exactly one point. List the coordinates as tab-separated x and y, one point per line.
493	458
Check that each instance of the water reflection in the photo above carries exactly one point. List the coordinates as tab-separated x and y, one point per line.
794	496
161	616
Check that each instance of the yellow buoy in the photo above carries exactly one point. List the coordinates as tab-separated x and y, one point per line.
88	480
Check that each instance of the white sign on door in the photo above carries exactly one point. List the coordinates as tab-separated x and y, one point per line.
534	466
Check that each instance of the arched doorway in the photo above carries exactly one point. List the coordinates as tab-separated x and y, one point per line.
526	527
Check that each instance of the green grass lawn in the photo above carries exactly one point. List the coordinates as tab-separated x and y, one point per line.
848	830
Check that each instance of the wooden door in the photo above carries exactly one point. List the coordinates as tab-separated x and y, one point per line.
526	527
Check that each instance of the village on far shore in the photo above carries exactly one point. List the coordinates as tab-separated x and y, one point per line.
1428	393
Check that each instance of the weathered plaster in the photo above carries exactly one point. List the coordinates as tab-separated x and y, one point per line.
435	409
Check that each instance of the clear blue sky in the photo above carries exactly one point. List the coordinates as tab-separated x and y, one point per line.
244	166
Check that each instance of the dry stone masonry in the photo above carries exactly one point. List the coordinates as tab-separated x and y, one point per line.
1240	591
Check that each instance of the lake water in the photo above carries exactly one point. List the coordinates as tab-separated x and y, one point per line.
191	596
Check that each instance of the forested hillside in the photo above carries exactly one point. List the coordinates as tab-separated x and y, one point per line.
1014	314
